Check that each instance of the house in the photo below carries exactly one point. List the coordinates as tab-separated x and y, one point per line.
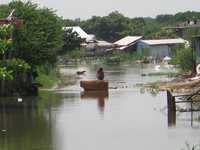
159	48
128	43
98	47
197	47
81	33
91	44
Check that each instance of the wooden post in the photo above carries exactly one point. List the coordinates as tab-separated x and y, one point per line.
171	105
171	101
193	54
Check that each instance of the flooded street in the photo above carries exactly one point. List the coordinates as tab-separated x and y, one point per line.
125	118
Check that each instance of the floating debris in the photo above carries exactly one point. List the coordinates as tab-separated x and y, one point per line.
19	99
3	130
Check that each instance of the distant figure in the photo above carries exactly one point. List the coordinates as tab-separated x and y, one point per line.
100	74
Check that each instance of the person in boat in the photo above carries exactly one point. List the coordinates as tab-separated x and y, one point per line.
100	74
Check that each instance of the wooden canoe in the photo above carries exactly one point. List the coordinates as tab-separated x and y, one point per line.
94	95
94	85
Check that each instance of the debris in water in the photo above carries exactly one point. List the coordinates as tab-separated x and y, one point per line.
19	99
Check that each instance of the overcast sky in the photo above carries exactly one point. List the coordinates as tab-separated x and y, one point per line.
85	9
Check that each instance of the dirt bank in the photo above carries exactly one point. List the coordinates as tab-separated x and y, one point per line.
181	85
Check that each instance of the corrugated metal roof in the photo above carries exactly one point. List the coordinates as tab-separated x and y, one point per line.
164	41
127	40
82	34
104	44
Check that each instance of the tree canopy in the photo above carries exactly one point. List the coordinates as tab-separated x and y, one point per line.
23	48
116	25
40	36
71	40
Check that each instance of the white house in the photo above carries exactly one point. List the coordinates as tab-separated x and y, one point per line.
159	48
81	33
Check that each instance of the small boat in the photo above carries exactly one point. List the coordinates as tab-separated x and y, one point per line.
94	85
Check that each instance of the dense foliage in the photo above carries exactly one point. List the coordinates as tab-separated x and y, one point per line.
24	48
184	58
115	25
40	36
71	40
11	69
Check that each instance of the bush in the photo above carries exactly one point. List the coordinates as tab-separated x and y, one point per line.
49	78
75	54
184	58
122	57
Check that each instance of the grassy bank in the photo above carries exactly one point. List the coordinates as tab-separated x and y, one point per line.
181	85
49	78
54	79
168	74
122	57
113	57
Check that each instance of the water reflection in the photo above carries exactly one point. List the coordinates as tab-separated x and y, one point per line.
26	124
100	96
184	117
171	117
70	121
185	112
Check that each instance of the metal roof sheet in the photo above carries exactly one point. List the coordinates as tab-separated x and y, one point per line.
127	40
164	41
79	31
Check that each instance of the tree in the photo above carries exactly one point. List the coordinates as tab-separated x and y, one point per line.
114	26
38	39
184	58
4	11
11	68
71	40
34	44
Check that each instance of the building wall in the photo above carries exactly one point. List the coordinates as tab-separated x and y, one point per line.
141	46
156	51
159	51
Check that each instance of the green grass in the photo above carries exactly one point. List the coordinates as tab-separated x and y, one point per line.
121	57
169	74
49	79
75	54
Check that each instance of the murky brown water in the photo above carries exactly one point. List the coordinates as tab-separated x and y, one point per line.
125	118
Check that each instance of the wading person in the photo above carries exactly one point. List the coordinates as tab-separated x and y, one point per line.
100	74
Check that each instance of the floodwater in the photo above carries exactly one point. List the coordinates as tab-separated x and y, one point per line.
125	118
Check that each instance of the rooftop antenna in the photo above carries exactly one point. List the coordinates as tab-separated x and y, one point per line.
11	19
10	15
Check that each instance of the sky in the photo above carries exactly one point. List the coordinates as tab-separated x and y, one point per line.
85	9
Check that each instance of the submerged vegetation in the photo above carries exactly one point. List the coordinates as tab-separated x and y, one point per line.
184	58
123	57
49	78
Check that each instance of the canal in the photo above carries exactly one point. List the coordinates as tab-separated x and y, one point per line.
125	118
